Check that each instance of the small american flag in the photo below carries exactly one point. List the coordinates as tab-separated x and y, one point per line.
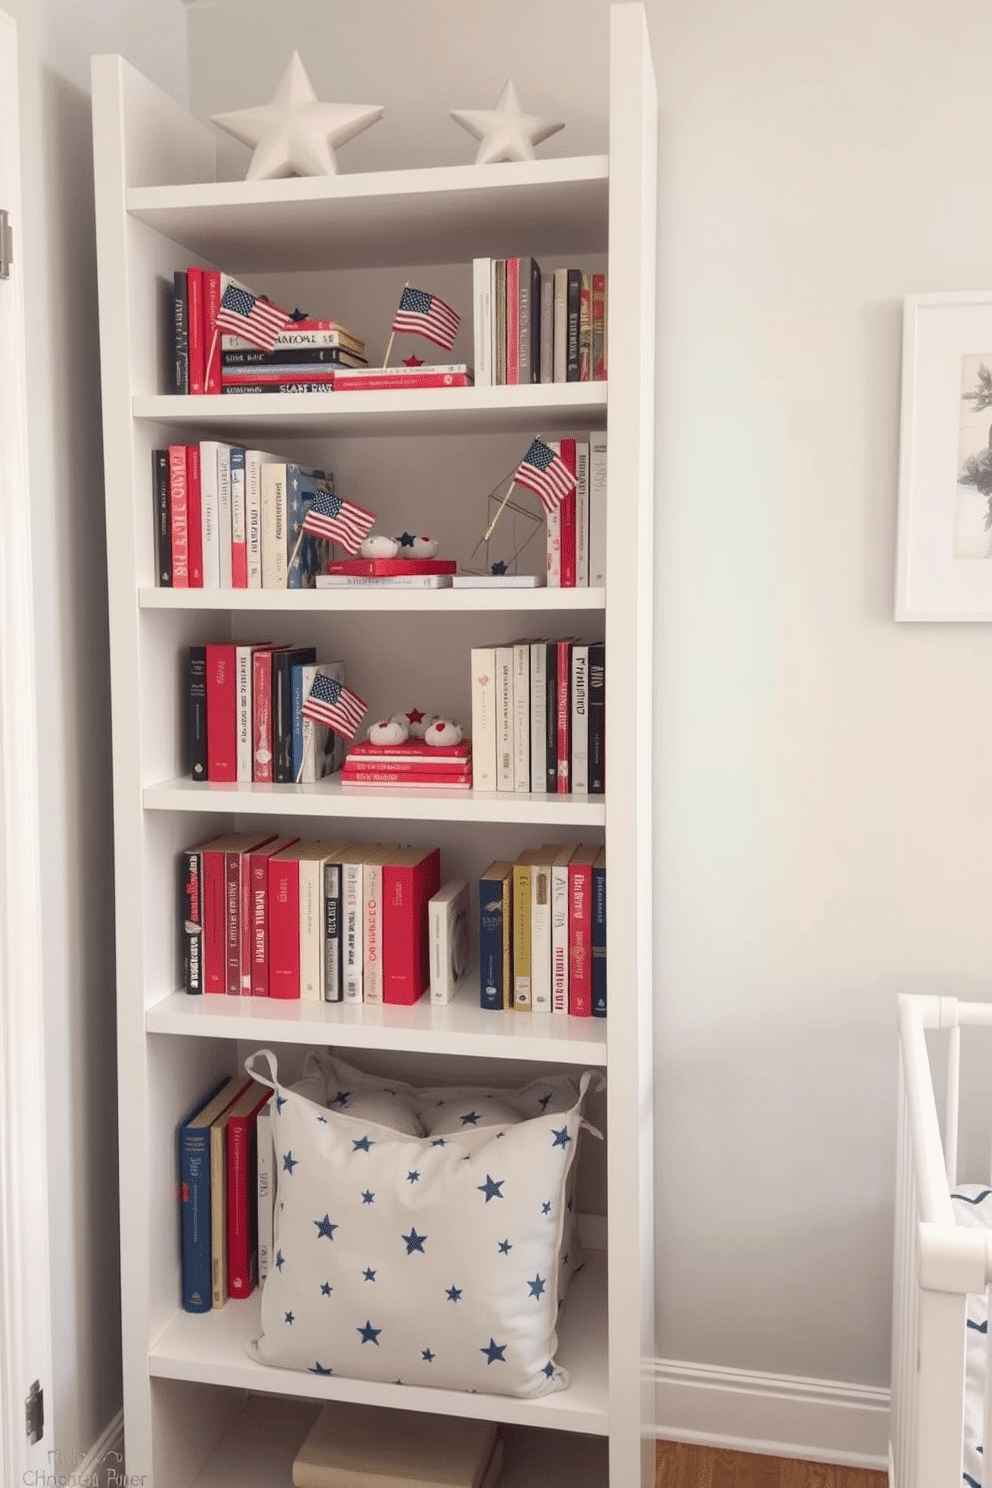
423	314
340	521
546	474
256	320
335	706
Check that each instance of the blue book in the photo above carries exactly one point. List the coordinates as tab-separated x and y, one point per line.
599	935
283	716
301	487
194	1190
494	936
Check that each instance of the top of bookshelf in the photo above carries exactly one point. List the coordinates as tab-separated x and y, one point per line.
440	214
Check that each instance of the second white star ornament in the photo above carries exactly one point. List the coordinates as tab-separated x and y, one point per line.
295	134
505	132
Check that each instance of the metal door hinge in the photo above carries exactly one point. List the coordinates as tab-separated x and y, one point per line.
6	244
34	1408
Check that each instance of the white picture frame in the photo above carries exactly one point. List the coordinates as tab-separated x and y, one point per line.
944	558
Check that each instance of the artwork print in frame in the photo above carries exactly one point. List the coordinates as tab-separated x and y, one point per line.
944	569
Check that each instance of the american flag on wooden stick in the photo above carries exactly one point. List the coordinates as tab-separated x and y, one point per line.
250	316
423	314
546	474
334	705
337	520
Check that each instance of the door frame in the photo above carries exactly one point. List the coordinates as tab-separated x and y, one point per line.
25	1308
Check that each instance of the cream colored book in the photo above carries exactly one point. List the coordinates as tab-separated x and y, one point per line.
362	1446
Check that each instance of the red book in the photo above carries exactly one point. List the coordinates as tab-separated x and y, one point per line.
345	383
242	1179
262	738
213	877
513	320
564	713
238	935
567	519
386	568
275	376
222	713
284	922
258	914
211	342
375	774
194	528
599	327
431	760
411	876
194	312
580	930
178	516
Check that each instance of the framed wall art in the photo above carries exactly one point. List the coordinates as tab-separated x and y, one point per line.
944	568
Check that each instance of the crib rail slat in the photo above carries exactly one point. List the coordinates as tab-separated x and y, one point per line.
951	1102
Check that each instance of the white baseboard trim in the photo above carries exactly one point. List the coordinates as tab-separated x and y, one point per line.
786	1416
106	1454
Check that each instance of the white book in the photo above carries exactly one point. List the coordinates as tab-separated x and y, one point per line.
559	932
243	682
521	716
274	517
391	581
266	1188
238	532
209	514
323	749
372	978
311	873
504	718
483	660
483	322
538	715
352	948
224	528
496	581
547	327
597	511
580	719
560	347
449	940
540	933
582	514
254	460
554	532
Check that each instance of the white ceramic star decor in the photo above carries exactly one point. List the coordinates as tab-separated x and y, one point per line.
295	134
505	132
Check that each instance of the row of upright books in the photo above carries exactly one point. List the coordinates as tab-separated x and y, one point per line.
539	717
206	360
542	931
245	719
536	326
314	921
228	517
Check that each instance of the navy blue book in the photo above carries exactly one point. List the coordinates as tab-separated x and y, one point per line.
597	719
599	935
194	1191
494	936
283	663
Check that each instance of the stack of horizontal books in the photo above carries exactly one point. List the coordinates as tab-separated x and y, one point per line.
410	764
305	358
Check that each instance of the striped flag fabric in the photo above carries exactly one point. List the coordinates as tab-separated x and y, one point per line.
423	314
545	473
254	319
339	521
337	707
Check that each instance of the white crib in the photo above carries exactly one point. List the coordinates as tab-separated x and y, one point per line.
937	1264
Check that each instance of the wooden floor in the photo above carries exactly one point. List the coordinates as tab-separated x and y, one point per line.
682	1466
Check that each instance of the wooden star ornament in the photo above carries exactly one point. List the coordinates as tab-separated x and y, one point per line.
505	132
295	134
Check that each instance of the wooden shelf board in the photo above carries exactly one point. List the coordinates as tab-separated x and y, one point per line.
258	1449
381	218
374	600
332	798
528	408
462	1027
211	1348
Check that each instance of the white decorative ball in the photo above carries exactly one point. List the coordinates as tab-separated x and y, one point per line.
444	731
388	731
422	547
377	545
415	722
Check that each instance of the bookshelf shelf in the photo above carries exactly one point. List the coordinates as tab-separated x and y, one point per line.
427	412
330	601
461	1028
211	1348
198	1411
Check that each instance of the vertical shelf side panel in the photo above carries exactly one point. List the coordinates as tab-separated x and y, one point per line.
629	833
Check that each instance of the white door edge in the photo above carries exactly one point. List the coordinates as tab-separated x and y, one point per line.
25	1312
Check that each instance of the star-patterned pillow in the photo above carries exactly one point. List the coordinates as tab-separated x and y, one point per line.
427	1261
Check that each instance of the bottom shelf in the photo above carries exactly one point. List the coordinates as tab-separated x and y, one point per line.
210	1348
258	1449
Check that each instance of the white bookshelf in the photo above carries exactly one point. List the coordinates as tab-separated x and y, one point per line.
197	1409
